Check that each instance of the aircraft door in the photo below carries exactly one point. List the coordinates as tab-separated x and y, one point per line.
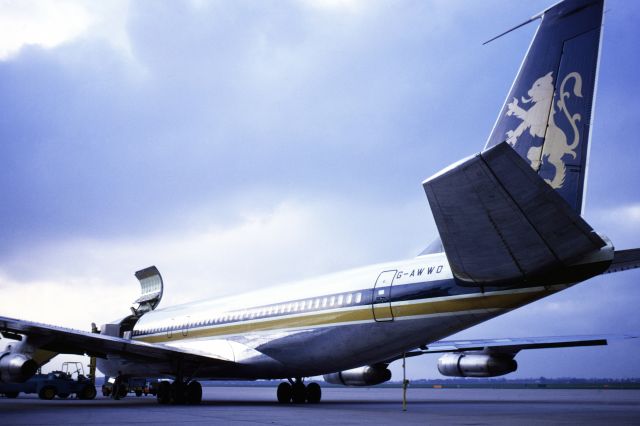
381	303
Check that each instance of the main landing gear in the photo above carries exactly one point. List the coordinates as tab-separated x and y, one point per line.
299	393
179	392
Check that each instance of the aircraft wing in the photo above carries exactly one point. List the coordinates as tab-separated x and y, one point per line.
69	341
513	345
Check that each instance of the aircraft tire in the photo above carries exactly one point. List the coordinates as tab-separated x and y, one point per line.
122	390
314	393
164	393
178	392
47	392
138	393
284	393
194	393
87	392
298	393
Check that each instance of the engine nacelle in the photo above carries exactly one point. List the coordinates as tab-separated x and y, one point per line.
361	376
16	367
475	365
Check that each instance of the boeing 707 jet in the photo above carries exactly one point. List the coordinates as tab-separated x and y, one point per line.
510	233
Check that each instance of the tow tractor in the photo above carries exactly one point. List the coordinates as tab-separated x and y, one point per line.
71	380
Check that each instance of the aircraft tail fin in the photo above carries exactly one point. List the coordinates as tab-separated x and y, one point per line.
546	117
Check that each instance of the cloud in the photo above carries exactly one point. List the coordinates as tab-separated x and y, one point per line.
623	215
293	240
43	23
51	23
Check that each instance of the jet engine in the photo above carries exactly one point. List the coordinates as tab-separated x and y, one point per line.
16	367
361	376
476	365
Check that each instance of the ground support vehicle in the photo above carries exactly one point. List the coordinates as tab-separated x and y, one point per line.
50	385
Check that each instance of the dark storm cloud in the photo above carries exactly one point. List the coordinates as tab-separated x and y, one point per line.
225	98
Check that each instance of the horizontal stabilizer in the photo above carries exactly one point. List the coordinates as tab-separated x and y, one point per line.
501	223
624	260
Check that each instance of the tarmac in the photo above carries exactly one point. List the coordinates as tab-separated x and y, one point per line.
345	406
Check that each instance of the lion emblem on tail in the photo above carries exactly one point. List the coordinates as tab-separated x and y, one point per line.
539	120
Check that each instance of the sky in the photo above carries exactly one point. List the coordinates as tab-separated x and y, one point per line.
241	144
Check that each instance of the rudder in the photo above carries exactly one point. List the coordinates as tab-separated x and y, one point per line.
547	115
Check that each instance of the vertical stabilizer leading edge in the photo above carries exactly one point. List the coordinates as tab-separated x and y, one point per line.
547	115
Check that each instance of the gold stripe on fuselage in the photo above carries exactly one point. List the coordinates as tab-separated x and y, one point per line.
401	310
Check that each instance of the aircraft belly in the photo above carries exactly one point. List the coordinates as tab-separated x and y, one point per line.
321	351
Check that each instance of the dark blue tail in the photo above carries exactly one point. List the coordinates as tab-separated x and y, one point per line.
547	115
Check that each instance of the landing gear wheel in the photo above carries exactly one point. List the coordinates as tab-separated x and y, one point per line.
314	393
63	395
121	392
298	393
284	393
194	393
178	394
47	392
138	393
87	392
164	392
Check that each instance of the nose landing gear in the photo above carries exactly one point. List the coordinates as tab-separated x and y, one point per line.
298	393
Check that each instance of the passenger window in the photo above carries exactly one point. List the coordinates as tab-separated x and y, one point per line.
340	298
317	304
332	300
358	297
349	297
324	302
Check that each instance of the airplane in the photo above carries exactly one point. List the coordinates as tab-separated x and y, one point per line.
510	233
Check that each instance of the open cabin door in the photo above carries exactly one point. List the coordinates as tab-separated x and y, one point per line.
381	302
